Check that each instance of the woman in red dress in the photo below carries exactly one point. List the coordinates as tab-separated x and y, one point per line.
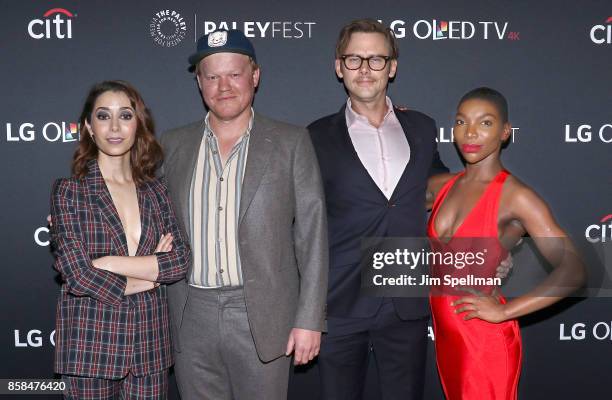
486	209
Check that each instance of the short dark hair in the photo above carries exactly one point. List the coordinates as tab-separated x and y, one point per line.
490	95
366	25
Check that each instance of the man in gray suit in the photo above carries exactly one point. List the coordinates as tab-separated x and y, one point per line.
248	192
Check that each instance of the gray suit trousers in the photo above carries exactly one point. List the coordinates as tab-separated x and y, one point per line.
219	360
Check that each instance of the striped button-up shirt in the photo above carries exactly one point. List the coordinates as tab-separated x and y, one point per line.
214	206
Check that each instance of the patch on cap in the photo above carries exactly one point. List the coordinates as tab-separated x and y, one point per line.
217	39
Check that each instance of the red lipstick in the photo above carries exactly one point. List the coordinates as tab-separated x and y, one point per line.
471	148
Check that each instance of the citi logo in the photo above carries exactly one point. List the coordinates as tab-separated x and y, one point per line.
601	232
602	34
55	24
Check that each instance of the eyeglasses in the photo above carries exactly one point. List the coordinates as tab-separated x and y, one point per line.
376	63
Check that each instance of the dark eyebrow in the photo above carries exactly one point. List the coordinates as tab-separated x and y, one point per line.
482	116
120	108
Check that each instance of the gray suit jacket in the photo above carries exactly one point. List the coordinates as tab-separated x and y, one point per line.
282	230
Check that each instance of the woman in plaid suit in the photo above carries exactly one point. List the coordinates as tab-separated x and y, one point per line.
116	244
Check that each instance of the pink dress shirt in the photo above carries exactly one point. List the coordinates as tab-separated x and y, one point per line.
383	151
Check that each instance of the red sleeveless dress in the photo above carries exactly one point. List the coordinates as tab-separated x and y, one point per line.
476	359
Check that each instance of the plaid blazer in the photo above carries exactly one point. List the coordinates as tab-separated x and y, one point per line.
100	332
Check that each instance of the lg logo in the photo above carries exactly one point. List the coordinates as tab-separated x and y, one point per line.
56	24
578	331
33	338
584	133
458	30
51	132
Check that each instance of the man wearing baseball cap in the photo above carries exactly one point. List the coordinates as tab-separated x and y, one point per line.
248	192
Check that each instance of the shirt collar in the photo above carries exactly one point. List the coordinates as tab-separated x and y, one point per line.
209	131
352	117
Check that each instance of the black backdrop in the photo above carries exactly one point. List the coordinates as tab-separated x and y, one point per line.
552	59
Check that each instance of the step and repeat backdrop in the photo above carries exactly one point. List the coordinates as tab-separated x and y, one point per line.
552	60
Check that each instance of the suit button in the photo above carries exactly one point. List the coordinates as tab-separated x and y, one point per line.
391	205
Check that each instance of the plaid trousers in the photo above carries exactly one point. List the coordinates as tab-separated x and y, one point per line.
148	387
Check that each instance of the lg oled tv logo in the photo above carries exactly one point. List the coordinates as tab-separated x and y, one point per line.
33	338
580	331
56	23
50	131
600	232
584	133
602	34
455	30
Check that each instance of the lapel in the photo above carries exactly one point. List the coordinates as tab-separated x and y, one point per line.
260	150
148	238
184	168
347	147
100	196
414	141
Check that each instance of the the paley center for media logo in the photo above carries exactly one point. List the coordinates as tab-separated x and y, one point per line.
56	23
602	34
168	28
442	29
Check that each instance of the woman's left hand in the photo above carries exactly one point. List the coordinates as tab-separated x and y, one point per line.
482	306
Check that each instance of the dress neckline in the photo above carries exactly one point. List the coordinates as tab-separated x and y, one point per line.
444	192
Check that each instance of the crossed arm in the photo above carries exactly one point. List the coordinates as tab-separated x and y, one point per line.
141	272
109	279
